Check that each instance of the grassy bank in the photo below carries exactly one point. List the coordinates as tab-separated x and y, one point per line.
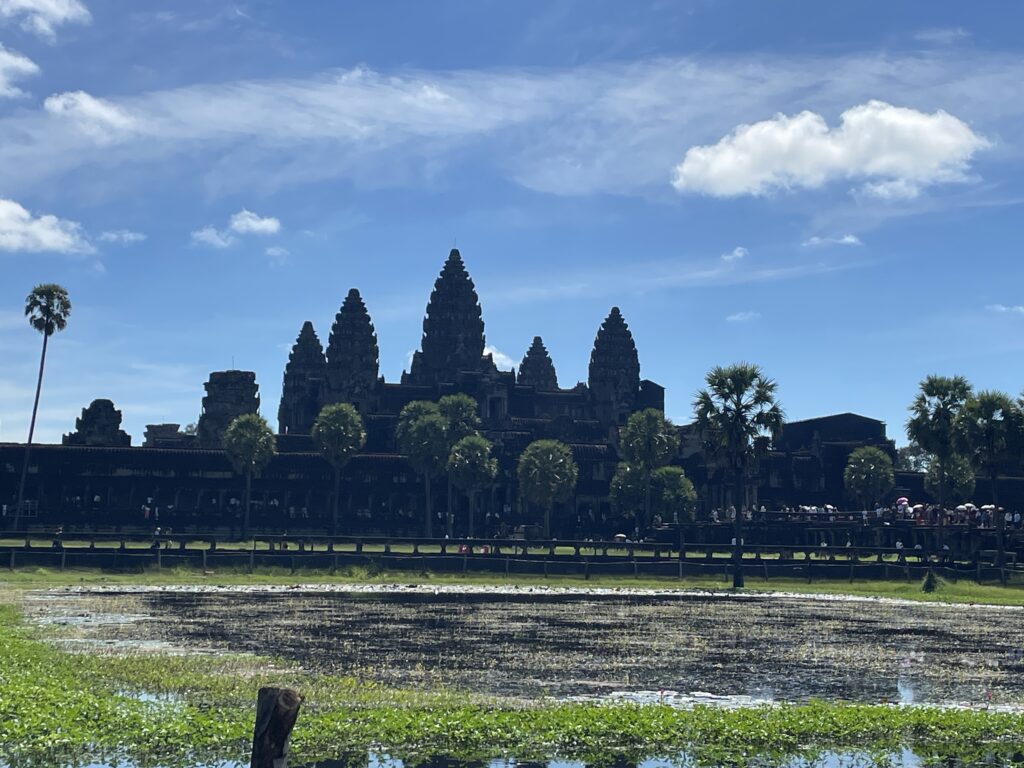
962	591
57	706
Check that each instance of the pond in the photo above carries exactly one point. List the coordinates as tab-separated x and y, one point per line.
671	647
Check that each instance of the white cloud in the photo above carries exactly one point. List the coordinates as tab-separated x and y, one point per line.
942	35
503	361
895	150
212	237
742	317
278	255
816	241
246	222
124	236
737	253
43	16
98	118
21	231
13	66
1016	308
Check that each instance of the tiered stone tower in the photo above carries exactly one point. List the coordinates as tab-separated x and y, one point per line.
453	329
537	370
614	379
99	425
305	376
352	356
229	394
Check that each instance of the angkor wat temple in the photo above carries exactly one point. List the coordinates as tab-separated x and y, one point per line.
178	478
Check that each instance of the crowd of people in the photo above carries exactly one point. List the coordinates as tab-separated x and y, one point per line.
967	515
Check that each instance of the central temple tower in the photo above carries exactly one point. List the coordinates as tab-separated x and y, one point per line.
453	329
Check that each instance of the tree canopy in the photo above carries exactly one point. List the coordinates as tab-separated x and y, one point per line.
48	308
338	433
470	464
869	475
959	479
250	444
459	413
648	440
672	493
547	473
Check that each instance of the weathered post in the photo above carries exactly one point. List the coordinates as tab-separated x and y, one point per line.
277	709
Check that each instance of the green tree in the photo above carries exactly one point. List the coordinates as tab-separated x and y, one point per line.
472	469
547	475
955	484
648	441
338	434
47	309
737	406
422	435
869	475
460	417
933	414
988	433
672	493
250	444
912	458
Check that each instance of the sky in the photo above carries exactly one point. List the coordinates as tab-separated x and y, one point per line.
831	190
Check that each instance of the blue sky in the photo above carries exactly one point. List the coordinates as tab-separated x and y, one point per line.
831	190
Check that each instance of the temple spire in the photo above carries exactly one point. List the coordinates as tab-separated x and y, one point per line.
352	355
453	328
537	370
304	377
614	369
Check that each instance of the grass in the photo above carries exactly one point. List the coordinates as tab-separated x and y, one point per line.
962	591
58	707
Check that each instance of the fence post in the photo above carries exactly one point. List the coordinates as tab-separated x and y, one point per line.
277	709
203	550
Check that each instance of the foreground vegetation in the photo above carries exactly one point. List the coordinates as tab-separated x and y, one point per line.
57	706
962	591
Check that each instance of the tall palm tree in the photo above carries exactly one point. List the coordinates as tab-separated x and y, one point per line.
339	434
737	406
47	309
933	415
250	445
988	432
472	468
547	474
647	442
422	435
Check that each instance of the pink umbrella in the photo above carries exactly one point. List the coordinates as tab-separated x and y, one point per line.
902	500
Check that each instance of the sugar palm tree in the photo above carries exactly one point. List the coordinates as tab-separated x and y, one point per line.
931	425
422	436
472	469
250	445
738	405
47	309
547	474
339	434
647	442
988	432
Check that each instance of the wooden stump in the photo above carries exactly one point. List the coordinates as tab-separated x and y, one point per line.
277	709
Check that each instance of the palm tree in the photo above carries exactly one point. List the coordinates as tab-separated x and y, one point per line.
648	441
988	432
460	417
422	436
547	474
250	445
737	406
933	415
47	309
472	468
869	475
339	434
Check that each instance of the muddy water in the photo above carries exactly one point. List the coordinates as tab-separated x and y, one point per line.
677	648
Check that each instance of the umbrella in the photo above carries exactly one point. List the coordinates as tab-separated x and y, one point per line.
969	505
902	500
961	508
988	506
919	506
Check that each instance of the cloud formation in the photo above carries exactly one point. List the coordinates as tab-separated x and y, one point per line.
894	151
246	222
503	361
742	317
14	66
737	253
100	119
21	231
817	241
123	236
42	17
1004	308
212	237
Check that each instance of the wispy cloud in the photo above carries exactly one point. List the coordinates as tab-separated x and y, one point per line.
123	236
14	66
1004	308
942	35
737	253
42	17
742	317
894	151
245	222
278	255
503	361
20	230
816	241
212	237
99	119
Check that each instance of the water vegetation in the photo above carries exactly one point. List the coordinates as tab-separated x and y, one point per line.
58	706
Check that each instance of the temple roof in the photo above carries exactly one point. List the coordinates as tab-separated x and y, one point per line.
614	359
352	352
307	355
537	370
